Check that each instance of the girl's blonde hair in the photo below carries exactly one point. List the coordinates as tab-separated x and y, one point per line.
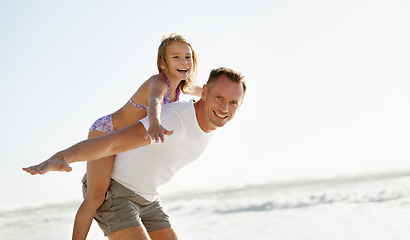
187	85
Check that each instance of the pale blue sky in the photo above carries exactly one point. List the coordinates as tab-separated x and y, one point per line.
328	81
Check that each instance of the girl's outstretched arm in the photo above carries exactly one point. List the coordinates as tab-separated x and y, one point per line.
156	94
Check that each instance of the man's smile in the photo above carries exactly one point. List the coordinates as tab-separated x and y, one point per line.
220	115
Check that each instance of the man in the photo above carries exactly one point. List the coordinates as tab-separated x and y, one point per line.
132	209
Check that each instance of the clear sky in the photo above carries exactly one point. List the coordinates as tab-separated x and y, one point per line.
329	85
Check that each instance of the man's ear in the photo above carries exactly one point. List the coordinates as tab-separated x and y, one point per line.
203	94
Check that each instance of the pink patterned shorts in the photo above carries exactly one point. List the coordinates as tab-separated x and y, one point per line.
103	124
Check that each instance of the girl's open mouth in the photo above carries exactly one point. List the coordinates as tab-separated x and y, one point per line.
183	71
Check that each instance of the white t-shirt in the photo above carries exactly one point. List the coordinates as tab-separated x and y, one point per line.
144	169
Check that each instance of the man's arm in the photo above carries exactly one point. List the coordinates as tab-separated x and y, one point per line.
122	140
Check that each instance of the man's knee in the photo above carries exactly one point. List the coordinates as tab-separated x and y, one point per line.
131	233
164	234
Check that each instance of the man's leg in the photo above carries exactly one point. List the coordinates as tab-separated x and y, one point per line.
132	233
164	234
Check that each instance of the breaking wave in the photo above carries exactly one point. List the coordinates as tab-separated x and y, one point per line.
296	194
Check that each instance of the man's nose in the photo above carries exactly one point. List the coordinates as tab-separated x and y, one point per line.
223	106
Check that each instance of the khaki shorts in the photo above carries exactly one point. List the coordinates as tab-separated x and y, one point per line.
122	208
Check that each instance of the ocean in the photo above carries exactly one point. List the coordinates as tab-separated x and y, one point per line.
365	207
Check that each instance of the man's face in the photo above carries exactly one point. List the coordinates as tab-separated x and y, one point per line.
222	101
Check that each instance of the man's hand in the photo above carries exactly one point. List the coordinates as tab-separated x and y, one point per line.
52	164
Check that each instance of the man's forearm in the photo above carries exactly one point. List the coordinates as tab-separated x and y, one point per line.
87	150
116	142
93	149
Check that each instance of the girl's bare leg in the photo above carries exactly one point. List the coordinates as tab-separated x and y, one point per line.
98	181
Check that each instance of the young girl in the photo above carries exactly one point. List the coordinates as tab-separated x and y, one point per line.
177	65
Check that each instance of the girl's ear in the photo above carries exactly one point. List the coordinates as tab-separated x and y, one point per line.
162	64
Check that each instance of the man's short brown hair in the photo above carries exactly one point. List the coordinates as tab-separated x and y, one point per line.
230	74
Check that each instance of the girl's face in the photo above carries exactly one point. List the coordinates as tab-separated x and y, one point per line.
178	56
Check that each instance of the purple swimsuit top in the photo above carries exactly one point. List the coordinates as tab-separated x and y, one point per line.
167	98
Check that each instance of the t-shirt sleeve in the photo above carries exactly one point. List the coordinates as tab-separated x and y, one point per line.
145	122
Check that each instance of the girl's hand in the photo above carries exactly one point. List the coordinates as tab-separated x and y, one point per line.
157	132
